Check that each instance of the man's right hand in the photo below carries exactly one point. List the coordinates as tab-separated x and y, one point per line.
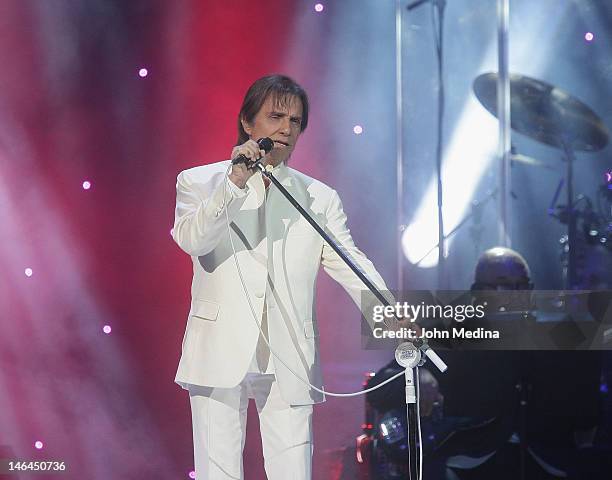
241	173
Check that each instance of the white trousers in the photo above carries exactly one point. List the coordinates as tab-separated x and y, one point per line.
219	428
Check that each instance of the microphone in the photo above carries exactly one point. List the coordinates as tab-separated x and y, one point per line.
265	144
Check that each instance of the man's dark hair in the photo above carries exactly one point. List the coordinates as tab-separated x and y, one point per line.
282	88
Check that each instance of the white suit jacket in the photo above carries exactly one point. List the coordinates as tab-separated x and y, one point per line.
279	254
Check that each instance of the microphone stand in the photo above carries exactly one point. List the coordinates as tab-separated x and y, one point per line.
440	5
477	207
409	357
402	352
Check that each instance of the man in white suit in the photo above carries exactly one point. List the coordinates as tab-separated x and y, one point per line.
270	280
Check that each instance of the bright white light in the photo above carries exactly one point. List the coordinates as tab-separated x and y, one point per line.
106	329
192	474
171	231
28	272
475	139
143	72
588	37
38	444
86	185
319	7
357	129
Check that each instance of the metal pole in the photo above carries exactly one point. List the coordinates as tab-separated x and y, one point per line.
571	279
503	109
399	145
440	5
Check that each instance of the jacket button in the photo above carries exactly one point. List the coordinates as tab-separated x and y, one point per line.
259	294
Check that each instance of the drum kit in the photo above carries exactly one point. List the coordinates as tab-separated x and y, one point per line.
551	116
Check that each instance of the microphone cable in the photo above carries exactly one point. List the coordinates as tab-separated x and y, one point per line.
295	374
256	320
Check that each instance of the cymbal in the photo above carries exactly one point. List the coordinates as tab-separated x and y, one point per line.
530	161
545	113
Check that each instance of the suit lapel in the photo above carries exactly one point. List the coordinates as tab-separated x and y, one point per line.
279	212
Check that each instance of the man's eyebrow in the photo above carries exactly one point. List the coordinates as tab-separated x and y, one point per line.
284	114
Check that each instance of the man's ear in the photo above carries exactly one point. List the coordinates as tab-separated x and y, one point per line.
246	126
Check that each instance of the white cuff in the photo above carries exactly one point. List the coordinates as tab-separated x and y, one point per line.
235	190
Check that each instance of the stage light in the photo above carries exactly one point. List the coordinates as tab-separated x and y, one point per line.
86	185
28	272
588	37
143	72
106	329
171	231
318	7
38	445
357	129
420	237
192	474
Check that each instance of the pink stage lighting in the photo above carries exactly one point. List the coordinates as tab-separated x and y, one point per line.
319	7
86	185
143	72
106	329
28	272
38	445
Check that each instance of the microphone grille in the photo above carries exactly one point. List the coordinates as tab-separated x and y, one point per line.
266	144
